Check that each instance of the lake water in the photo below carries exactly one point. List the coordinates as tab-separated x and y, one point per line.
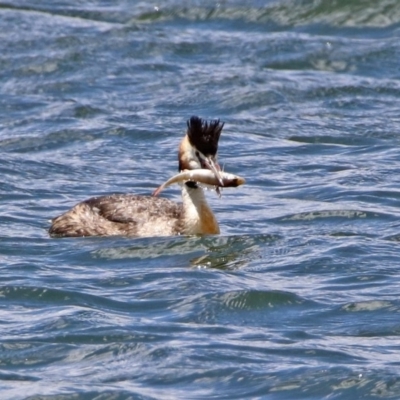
299	297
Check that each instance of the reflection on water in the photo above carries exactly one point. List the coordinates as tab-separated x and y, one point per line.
222	252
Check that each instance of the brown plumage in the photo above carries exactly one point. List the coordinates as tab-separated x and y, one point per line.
120	214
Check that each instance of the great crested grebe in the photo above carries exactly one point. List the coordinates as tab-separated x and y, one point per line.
137	215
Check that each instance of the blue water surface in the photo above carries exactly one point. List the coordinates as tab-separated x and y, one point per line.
299	297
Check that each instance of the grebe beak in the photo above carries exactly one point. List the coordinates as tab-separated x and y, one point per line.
210	164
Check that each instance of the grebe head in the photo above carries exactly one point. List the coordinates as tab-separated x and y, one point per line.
199	147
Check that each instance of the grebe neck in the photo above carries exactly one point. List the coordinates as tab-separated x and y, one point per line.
198	217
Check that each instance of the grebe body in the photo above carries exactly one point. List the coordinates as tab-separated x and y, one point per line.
134	215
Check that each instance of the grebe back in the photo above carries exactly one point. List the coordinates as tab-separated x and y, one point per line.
135	215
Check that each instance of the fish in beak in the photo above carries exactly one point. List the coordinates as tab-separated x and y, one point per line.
203	176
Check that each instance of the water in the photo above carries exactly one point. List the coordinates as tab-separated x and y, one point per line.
298	298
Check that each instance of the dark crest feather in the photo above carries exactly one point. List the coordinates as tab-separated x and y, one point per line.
204	135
